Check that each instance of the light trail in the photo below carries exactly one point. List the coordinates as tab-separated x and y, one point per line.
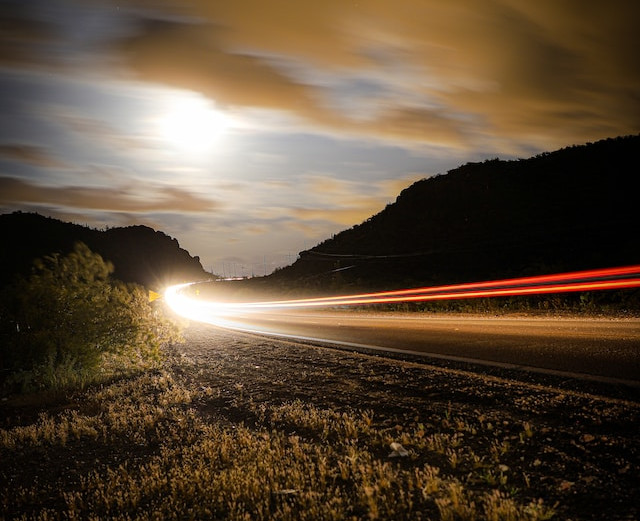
199	309
472	289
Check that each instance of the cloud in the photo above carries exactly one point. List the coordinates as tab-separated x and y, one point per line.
21	35
417	123
99	131
337	201
190	56
148	199
549	74
328	186
333	191
256	229
318	200
544	73
31	155
193	57
341	216
452	74
309	229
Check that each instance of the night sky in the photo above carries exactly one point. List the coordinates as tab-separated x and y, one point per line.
250	130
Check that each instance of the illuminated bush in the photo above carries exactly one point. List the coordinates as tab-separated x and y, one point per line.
69	322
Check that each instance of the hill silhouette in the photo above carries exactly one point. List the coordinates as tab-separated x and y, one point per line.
575	208
572	209
139	253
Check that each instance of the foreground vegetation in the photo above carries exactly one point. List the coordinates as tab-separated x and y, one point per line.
338	469
69	324
242	428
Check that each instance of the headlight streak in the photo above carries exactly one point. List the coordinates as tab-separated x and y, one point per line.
200	309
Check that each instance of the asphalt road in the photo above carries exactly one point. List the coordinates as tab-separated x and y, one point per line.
605	348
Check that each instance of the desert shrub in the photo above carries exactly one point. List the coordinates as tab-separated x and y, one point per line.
69	321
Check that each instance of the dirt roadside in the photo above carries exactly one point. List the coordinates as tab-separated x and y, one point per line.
574	446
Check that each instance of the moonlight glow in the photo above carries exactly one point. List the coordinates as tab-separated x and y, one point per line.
192	123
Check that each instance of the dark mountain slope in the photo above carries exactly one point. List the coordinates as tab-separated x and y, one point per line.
576	208
139	253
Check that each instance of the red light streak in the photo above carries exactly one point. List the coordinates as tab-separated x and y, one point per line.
556	288
589	280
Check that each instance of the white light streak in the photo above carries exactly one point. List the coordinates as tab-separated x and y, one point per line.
219	313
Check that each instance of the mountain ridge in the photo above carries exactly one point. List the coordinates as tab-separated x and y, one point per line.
571	209
139	254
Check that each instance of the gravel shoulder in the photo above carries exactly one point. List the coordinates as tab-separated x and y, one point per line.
573	446
584	453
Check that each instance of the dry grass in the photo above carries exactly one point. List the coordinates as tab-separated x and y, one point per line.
230	433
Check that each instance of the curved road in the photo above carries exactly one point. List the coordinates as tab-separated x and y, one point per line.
606	349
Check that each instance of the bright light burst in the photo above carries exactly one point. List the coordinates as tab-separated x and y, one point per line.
592	280
190	122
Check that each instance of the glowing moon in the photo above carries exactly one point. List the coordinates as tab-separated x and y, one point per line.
192	123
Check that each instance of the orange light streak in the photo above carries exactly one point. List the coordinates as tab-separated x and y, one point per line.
556	288
590	280
540	279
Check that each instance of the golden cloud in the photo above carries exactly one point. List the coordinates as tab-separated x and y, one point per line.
541	73
341	216
190	56
31	155
150	199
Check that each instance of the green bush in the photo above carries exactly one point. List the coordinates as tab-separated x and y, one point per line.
70	323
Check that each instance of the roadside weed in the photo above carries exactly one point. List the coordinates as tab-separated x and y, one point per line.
298	462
